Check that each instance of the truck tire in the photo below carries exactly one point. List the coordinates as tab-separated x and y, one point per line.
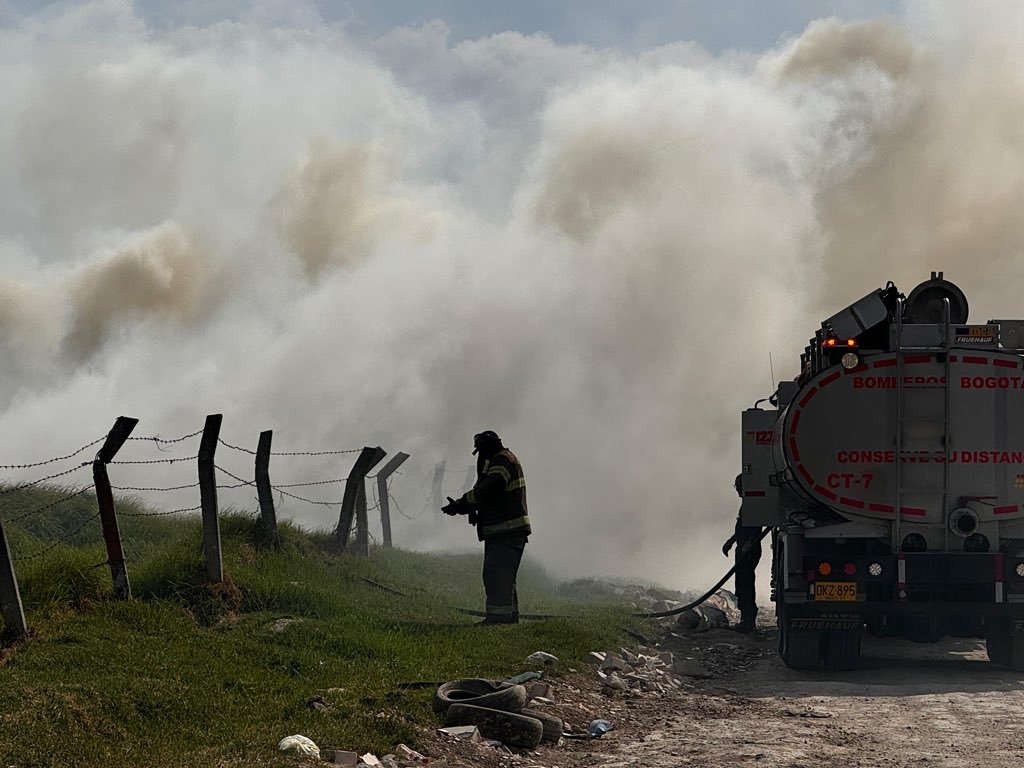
842	650
481	693
552	725
509	728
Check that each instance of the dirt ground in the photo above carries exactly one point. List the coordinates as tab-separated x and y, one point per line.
909	705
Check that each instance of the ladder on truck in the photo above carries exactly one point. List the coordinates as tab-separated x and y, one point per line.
902	421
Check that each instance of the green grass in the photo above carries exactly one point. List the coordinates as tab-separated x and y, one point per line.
188	675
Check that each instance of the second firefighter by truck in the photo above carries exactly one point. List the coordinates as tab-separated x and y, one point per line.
497	506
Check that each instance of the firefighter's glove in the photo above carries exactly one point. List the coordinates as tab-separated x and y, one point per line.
453	507
471	516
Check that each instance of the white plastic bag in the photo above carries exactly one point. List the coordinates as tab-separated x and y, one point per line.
300	744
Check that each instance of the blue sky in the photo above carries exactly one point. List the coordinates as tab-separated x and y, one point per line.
718	25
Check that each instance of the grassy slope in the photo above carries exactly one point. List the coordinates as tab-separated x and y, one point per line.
187	676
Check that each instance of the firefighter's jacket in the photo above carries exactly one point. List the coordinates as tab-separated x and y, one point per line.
499	497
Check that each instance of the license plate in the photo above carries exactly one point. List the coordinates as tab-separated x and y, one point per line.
840	591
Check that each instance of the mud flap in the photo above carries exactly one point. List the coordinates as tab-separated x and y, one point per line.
842	650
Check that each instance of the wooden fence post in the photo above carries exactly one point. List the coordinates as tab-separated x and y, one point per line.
105	499
362	524
368	459
382	494
10	597
437	491
266	494
208	498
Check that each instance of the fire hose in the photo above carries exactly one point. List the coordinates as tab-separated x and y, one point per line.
710	592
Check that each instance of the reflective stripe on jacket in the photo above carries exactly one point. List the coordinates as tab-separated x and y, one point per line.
499	496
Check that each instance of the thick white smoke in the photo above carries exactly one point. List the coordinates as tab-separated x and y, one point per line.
407	241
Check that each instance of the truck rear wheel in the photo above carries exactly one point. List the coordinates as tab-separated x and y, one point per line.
842	650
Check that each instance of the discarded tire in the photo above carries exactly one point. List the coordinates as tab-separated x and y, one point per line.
480	693
552	725
509	728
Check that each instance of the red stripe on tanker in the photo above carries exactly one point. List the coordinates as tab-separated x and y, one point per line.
841	435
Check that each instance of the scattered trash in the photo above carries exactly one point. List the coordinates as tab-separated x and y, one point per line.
540	657
300	744
348	759
525	677
599	728
318	703
464	732
282	624
372	760
412	755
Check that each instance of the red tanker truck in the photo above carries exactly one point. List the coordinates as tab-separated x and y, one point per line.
891	471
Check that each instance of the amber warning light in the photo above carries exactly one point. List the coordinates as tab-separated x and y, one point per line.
832	343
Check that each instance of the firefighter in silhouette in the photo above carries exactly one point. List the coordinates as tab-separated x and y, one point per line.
748	552
496	505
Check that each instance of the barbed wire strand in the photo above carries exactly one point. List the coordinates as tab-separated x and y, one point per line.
315	482
288	453
160	514
156	461
241	480
59	541
169	488
21	486
51	505
55	458
163	441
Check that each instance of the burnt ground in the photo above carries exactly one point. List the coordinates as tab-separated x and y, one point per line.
909	705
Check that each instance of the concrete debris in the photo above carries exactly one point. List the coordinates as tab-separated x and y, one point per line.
613	682
538	691
613	663
540	657
464	732
347	759
596	657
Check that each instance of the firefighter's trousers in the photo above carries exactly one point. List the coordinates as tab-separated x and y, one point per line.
502	555
746	566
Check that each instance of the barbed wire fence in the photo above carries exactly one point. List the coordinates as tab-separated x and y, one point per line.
172	454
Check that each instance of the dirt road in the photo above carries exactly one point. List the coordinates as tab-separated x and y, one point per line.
909	705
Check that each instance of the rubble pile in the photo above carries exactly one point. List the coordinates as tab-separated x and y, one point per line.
646	671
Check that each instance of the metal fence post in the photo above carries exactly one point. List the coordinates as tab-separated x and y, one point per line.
382	494
10	597
368	459
208	498
265	492
105	499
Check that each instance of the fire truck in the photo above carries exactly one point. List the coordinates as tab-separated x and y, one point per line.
891	474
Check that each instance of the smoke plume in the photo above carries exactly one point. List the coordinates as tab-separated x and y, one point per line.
408	240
